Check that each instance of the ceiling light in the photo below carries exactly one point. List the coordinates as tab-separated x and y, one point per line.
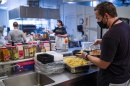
78	0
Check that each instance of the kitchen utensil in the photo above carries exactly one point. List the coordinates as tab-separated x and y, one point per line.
76	52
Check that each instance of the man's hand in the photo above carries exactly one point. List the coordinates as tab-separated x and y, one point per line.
98	41
82	55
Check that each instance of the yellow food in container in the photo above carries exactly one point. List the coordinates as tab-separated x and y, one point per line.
75	61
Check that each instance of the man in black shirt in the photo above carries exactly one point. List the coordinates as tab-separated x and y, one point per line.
114	61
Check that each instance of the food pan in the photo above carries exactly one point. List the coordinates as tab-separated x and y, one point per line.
79	68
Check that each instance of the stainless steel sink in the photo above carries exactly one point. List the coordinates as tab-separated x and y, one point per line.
28	79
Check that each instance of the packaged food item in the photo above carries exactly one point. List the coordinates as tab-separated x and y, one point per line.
30	49
14	53
8	46
53	46
42	48
5	54
65	45
47	45
20	50
26	51
34	48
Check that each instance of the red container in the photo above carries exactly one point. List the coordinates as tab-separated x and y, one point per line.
24	66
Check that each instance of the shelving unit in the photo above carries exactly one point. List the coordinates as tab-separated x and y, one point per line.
15	61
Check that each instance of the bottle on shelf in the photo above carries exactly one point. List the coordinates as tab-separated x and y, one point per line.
65	45
14	53
26	51
5	54
30	49
20	50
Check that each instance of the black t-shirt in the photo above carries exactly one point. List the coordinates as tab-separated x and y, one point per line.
61	31
115	48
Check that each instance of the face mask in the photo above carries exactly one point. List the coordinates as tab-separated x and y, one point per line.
102	25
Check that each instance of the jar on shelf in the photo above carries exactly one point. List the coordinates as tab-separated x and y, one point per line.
47	45
42	47
30	49
14	53
8	46
34	48
26	51
65	45
5	54
20	50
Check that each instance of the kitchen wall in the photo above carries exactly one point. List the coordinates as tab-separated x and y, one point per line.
123	12
71	13
4	19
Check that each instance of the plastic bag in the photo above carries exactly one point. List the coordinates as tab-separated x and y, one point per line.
49	68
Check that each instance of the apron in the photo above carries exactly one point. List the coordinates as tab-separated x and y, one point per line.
59	42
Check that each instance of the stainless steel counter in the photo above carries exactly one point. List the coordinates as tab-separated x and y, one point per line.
69	50
61	78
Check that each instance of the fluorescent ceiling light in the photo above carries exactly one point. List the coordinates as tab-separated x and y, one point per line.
71	2
94	3
3	1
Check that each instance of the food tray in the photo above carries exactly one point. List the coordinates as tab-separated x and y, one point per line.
79	68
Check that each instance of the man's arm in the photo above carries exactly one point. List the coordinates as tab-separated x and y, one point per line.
95	60
98	62
97	41
108	51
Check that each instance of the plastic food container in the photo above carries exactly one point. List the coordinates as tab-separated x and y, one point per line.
49	68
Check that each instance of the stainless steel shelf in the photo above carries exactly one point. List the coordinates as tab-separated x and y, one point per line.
15	61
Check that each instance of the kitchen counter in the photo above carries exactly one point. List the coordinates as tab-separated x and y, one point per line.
66	78
69	52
